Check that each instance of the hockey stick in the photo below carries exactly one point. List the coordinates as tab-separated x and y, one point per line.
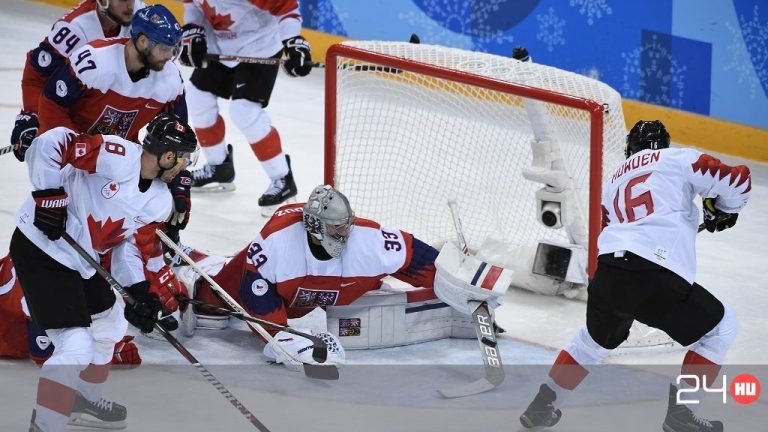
414	39
172	340
484	330
325	372
319	348
6	149
253	60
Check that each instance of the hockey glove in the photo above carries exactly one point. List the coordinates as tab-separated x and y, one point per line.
146	308
193	46
182	205
51	211
24	131
717	220
166	286
299	61
126	353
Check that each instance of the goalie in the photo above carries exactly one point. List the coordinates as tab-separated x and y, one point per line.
319	254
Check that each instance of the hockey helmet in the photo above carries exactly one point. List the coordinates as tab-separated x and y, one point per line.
167	132
329	218
158	24
646	135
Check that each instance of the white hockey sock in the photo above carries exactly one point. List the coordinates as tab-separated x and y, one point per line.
215	154
561	393
50	420
277	167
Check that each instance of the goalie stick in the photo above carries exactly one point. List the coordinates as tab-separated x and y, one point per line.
319	348
485	332
169	337
325	372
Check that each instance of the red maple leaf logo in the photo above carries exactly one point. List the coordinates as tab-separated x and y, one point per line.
711	165
107	235
219	22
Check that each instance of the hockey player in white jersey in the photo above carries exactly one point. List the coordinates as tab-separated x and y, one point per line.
647	268
86	22
115	189
263	29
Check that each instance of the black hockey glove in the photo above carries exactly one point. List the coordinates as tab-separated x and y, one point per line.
194	46
182	205
146	309
299	58
24	131
51	211
717	220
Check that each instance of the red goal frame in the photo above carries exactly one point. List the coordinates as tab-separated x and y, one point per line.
595	110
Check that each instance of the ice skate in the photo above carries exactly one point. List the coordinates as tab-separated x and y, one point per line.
215	178
280	192
102	414
681	419
541	412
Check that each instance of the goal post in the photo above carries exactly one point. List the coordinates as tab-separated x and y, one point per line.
408	127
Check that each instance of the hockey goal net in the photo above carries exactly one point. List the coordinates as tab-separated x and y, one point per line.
409	127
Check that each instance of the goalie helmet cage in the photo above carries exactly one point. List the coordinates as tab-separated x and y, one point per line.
451	124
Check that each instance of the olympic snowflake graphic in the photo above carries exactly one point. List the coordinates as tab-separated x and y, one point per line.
322	16
749	49
459	23
671	90
593	9
550	29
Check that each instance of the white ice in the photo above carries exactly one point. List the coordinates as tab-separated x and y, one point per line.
729	263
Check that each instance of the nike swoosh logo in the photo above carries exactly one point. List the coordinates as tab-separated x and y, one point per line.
148	106
344	284
239	85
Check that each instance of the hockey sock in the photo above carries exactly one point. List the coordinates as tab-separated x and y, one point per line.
54	399
700	366
269	151
90	381
565	375
212	141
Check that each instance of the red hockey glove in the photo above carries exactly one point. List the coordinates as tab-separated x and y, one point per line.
165	284
126	353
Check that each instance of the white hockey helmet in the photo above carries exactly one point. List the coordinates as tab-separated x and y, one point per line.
328	217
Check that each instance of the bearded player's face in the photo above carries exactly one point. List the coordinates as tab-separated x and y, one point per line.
122	11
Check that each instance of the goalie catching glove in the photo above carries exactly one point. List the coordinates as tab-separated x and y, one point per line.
462	281
301	348
717	220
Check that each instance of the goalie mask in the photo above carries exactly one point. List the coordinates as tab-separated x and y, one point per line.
646	135
328	217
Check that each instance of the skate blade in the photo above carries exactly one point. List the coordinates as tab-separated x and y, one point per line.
215	187
268	211
81	421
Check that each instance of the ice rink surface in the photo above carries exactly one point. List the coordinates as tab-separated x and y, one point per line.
381	389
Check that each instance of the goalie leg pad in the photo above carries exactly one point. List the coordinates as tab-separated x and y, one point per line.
301	348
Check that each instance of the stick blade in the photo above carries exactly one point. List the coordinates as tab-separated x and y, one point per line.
323	372
473	388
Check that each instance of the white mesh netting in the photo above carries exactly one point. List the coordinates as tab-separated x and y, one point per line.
407	142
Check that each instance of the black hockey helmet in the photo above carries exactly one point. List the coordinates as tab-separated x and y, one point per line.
646	135
167	132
